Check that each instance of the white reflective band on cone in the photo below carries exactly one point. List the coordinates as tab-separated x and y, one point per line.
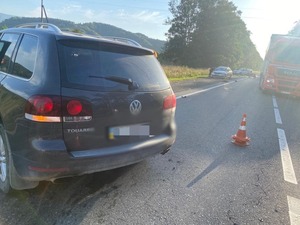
242	128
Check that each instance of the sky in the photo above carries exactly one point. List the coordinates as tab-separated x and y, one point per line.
262	17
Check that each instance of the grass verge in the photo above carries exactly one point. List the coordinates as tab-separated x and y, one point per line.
178	73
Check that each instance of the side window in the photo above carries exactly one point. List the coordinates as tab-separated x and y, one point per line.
9	42
2	50
26	57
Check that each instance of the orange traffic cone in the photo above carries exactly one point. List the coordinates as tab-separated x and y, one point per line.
240	137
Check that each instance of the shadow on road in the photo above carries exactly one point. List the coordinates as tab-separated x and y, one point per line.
66	202
224	157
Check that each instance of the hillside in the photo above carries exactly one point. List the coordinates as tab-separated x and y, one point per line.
89	28
4	17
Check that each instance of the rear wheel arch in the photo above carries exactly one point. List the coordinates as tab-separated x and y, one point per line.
9	179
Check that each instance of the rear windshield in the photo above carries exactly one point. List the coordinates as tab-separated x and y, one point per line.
108	67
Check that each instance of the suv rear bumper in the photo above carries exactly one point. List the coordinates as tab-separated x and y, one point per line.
51	165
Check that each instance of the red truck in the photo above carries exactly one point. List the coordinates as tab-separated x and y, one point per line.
281	68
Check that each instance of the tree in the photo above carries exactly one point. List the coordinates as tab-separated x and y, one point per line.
183	25
216	35
3	27
184	21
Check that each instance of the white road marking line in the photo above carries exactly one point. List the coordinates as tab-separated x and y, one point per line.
287	165
294	210
274	102
277	116
276	111
204	90
288	169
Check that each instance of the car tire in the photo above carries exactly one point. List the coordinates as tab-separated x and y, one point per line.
4	162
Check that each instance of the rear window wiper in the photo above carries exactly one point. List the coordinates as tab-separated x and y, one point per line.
132	85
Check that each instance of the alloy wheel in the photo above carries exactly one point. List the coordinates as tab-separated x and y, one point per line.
2	161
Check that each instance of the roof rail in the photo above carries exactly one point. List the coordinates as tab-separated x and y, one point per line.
48	26
124	40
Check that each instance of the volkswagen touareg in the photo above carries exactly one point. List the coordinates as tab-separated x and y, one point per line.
73	104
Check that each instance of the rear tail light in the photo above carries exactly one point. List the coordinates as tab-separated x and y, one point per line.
75	110
74	107
43	109
57	109
169	102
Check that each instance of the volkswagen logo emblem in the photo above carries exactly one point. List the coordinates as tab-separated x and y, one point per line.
135	107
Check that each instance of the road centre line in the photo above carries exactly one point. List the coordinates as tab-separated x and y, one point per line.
294	210
287	165
274	102
277	116
204	90
276	111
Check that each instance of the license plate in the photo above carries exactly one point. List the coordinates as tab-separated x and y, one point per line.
130	130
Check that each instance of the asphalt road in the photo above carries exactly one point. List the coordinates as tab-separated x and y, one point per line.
204	179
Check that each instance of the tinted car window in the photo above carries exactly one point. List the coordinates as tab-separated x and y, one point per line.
91	68
10	40
3	47
26	57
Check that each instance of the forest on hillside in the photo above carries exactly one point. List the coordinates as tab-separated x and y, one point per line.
98	29
202	34
209	33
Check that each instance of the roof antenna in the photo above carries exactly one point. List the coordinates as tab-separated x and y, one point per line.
43	11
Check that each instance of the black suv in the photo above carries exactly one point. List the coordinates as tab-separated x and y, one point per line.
72	104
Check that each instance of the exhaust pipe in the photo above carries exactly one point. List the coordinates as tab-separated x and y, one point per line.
166	150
